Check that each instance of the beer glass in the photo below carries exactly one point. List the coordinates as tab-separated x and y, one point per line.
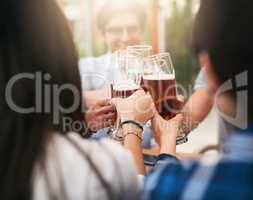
159	80
140	51
127	79
128	76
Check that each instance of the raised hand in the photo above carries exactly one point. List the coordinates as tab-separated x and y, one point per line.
101	115
139	106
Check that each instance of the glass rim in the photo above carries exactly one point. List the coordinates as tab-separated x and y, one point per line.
159	55
156	58
134	47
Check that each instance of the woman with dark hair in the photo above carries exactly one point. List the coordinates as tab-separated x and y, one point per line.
39	78
222	40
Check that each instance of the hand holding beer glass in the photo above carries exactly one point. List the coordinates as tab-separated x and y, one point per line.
128	77
126	82
159	79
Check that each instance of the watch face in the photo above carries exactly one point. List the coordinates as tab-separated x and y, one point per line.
116	134
119	134
181	139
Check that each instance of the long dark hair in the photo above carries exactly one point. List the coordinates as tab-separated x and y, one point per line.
222	29
34	37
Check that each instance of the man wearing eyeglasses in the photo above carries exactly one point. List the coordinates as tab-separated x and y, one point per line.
121	24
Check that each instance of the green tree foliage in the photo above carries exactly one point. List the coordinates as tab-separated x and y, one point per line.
178	40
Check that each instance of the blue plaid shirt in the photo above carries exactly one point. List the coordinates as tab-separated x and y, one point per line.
229	176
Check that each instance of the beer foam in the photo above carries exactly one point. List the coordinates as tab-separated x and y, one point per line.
125	87
159	77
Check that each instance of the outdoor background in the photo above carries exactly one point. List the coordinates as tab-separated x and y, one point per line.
175	21
174	35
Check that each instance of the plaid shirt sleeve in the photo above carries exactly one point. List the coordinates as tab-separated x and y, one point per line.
191	180
167	179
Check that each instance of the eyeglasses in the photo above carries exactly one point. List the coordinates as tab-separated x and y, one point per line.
141	51
118	31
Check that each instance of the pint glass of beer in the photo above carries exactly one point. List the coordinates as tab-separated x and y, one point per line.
159	80
126	81
128	76
140	51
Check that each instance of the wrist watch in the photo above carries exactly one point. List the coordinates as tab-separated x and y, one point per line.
134	122
184	129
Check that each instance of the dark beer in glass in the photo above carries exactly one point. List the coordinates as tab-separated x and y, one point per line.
162	88
123	91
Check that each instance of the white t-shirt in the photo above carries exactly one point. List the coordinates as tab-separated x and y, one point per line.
98	72
68	174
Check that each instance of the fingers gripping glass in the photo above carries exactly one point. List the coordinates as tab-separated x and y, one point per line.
159	79
126	81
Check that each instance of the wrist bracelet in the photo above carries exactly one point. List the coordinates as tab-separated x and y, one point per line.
136	123
183	129
133	133
181	139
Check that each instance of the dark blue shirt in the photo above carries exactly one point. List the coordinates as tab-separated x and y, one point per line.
228	176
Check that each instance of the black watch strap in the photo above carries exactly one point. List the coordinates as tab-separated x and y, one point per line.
136	123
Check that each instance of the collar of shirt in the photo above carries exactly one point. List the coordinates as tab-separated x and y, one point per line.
239	145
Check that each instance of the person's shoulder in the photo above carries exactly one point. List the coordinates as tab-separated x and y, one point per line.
87	62
111	160
91	64
92	60
71	160
176	174
73	143
167	163
75	149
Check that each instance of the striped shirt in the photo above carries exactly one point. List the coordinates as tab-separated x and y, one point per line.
228	176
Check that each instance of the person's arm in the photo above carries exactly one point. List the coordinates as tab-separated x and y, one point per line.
133	143
166	133
168	168
194	111
198	106
168	144
93	96
100	115
165	179
138	107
